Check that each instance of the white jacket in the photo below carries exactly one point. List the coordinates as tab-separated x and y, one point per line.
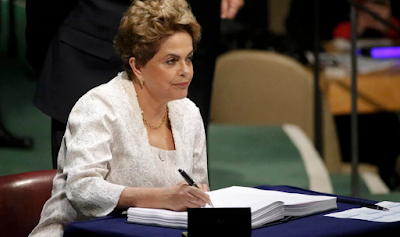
106	148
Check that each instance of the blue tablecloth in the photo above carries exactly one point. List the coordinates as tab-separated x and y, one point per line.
310	226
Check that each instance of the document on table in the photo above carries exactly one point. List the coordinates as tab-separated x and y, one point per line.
368	214
266	207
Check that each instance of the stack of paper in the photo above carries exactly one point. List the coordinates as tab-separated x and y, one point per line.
263	210
159	217
295	204
266	207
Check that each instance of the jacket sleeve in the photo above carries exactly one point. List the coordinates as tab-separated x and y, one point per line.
200	172
88	140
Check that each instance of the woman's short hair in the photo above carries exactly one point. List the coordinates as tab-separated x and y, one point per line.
147	23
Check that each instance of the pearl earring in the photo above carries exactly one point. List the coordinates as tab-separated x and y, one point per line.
141	81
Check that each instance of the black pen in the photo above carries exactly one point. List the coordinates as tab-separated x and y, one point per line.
372	206
190	181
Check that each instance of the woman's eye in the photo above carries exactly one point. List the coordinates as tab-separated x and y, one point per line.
190	59
171	61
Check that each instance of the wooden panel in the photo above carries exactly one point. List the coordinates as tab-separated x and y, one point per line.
379	91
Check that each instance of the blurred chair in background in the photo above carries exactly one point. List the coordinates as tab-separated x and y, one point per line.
21	200
265	88
253	87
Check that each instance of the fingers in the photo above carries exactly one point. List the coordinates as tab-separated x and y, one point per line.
182	196
195	202
183	183
224	8
229	8
195	197
199	197
203	187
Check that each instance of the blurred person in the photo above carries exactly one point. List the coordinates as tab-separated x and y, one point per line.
126	139
367	25
300	24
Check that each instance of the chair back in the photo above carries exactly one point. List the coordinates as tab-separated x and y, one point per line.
22	197
257	87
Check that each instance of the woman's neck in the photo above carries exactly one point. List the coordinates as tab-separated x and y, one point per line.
153	110
155	119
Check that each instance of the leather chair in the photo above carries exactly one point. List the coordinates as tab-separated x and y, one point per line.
256	87
21	200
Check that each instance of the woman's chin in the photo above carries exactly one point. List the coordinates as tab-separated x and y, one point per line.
182	94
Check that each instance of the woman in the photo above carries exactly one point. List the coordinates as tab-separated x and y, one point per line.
125	140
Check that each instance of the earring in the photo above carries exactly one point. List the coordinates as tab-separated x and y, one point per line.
141	81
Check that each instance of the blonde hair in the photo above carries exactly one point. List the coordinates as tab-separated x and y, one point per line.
147	23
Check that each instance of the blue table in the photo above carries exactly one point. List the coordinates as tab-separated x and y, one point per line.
310	226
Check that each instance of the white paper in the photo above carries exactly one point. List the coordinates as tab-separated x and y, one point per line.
368	214
266	206
295	204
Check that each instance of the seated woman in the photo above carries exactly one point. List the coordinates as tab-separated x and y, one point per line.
125	140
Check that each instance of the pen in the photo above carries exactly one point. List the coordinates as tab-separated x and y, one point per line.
190	180
372	206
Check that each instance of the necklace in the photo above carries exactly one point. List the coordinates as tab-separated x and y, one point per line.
156	126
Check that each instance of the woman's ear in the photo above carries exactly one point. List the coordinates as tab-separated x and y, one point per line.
135	68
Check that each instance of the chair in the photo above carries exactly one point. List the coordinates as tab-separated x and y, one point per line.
21	200
254	87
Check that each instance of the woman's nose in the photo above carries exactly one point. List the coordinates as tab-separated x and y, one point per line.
184	68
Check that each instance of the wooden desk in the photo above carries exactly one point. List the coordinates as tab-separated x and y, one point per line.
377	92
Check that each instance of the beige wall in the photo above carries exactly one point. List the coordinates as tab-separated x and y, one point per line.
278	10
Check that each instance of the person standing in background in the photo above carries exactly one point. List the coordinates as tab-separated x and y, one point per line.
208	13
81	56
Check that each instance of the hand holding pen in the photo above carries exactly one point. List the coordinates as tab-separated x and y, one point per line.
192	183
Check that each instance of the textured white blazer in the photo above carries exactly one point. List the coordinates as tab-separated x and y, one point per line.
106	148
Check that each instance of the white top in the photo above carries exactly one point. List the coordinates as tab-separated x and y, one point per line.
106	148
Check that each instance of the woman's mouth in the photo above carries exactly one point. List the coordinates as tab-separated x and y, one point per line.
182	84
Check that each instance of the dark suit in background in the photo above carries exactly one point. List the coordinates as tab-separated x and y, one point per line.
81	55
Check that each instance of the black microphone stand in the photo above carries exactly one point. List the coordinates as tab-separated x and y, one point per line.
355	183
354	93
317	92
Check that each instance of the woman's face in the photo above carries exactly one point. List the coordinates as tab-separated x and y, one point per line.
168	74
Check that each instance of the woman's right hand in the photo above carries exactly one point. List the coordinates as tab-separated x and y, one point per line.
182	196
